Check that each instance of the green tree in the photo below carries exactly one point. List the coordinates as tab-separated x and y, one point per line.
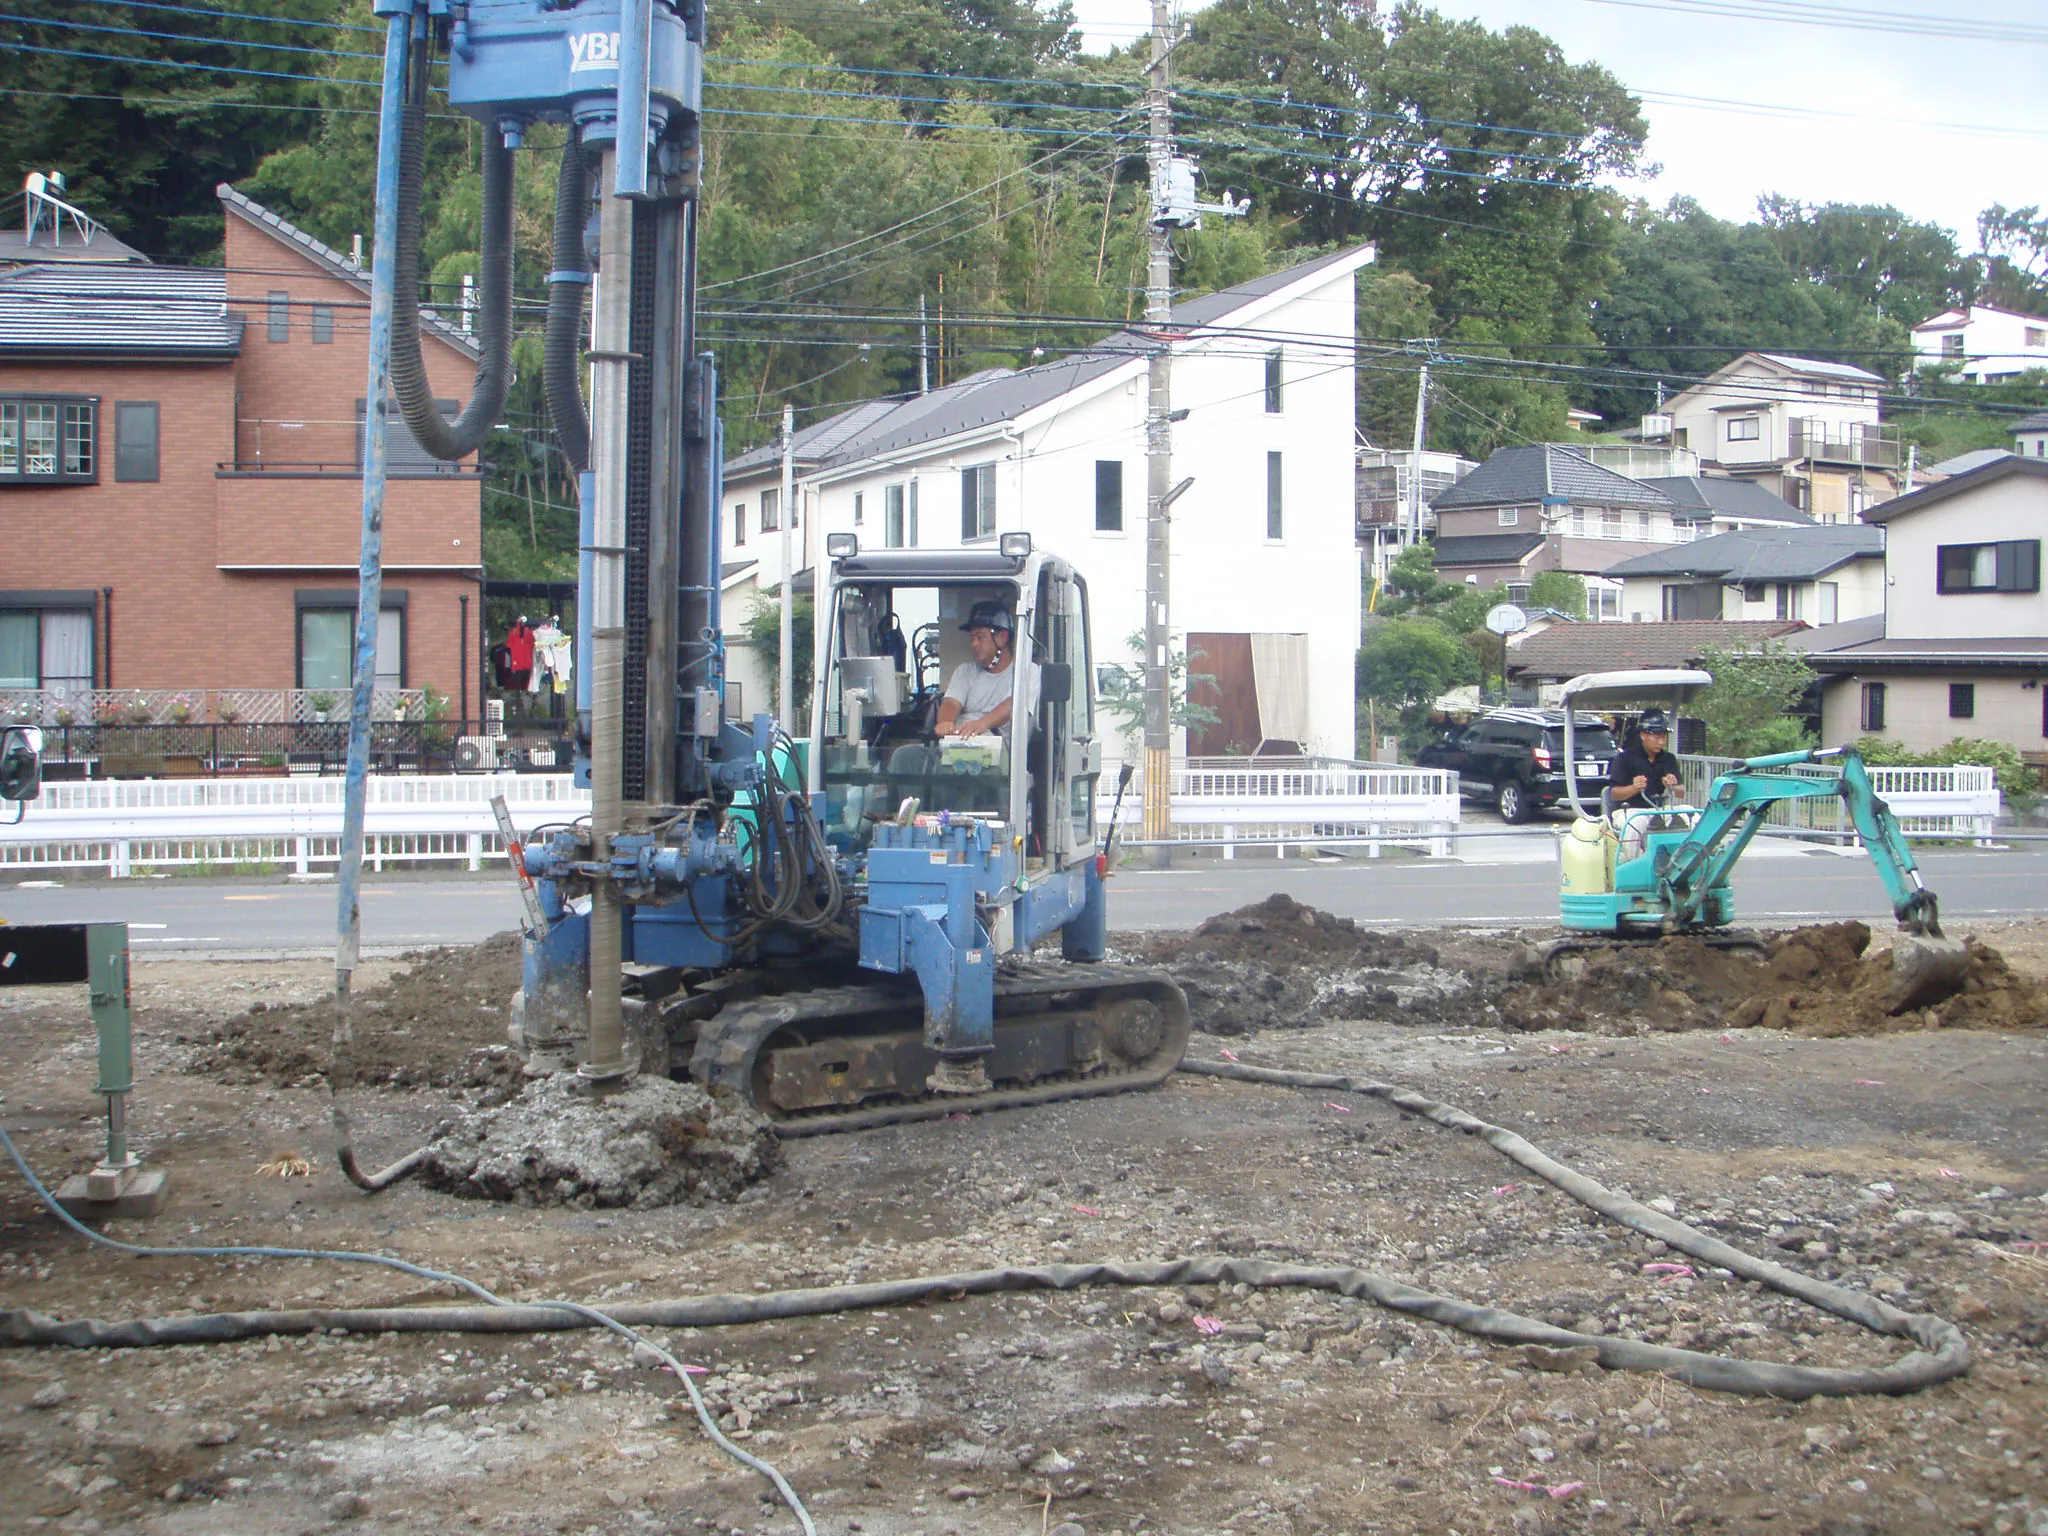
1757	702
1405	663
1123	700
1560	590
764	634
1872	256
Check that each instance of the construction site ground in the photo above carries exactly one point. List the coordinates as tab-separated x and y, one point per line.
1758	1098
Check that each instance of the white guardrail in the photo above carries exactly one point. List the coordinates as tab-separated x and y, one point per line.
126	826
1960	801
1279	802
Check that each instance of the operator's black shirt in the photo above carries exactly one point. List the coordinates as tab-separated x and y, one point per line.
1632	761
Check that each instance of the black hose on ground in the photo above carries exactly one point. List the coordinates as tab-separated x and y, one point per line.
409	381
1946	1354
568	291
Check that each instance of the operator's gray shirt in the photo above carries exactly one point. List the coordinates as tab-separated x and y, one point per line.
979	691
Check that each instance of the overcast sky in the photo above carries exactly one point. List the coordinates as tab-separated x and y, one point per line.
1866	104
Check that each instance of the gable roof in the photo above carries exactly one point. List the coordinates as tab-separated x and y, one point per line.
1546	472
1486	549
336	264
1760	554
1985	474
1949	319
998	395
1727	497
1976	458
116	310
1816	368
812	444
2034	423
51	245
1570	649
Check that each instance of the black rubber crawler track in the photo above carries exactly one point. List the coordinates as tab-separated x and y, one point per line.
729	1044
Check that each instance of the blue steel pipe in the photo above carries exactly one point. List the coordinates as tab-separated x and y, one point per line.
398	40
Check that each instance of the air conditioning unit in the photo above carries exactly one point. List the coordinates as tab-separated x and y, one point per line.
476	754
494	717
1656	429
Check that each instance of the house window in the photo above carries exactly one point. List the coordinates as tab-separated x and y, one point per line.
327	640
1873	707
1109	495
978	502
1610	523
2013	565
46	647
1273	363
278	315
323	324
135	440
893	516
1642	525
50	438
1518	592
1276	525
1509	517
1790	601
771	511
1693	600
1962	701
859	509
1952	344
1753	591
2037	336
1602	602
739	523
1581	523
1744	429
1830	605
404	458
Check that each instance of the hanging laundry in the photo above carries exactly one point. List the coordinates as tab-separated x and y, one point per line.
553	655
515	668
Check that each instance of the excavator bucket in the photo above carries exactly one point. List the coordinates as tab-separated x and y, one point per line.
1925	970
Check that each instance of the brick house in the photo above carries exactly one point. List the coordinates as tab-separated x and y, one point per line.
180	473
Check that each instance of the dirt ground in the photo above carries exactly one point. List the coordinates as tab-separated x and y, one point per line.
1900	1155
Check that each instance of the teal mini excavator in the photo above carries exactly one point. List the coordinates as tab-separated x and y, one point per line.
1639	871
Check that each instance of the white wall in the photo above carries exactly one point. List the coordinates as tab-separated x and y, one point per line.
1226	575
1995	343
2015	507
1859	594
1775	397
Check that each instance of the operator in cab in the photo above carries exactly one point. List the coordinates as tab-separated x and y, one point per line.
978	694
1643	773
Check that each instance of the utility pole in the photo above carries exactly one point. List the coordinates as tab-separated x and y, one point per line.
924	351
1158	786
1411	523
785	676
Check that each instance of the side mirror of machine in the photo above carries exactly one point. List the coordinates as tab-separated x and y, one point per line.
1055	682
21	763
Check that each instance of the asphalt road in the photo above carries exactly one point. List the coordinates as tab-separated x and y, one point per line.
267	918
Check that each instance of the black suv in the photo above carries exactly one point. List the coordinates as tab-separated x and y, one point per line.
1514	758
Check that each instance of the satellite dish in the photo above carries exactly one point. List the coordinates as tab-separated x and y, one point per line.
1506	619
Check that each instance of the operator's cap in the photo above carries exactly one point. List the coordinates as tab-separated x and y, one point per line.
1654	720
989	614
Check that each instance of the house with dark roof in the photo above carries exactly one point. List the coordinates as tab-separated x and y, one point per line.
1558	654
1822	573
1806	429
1265	577
1964	646
2030	436
1548	507
180	471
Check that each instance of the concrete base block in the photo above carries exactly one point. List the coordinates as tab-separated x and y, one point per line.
141	1193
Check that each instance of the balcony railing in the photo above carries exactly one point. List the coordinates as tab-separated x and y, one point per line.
199	706
1812	438
338	469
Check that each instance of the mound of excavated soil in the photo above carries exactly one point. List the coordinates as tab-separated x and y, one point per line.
1281	965
1823	980
439	1023
649	1142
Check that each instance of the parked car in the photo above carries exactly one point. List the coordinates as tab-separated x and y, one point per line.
1514	759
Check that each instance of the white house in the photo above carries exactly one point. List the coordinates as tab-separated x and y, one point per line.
1805	429
1984	344
1265	586
2030	436
1964	645
1823	573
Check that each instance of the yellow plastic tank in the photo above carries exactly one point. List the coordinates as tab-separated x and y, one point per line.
1586	856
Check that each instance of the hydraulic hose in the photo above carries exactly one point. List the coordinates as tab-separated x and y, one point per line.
568	291
409	381
1942	1352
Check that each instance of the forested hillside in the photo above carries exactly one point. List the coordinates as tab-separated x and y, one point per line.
863	155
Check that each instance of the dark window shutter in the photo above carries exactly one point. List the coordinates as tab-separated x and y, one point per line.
135	440
404	458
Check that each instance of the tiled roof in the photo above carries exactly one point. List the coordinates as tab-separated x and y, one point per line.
1727	497
1535	472
1976	458
2027	653
340	266
816	442
998	395
2034	423
1761	554
1570	649
1486	549
1814	366
103	309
